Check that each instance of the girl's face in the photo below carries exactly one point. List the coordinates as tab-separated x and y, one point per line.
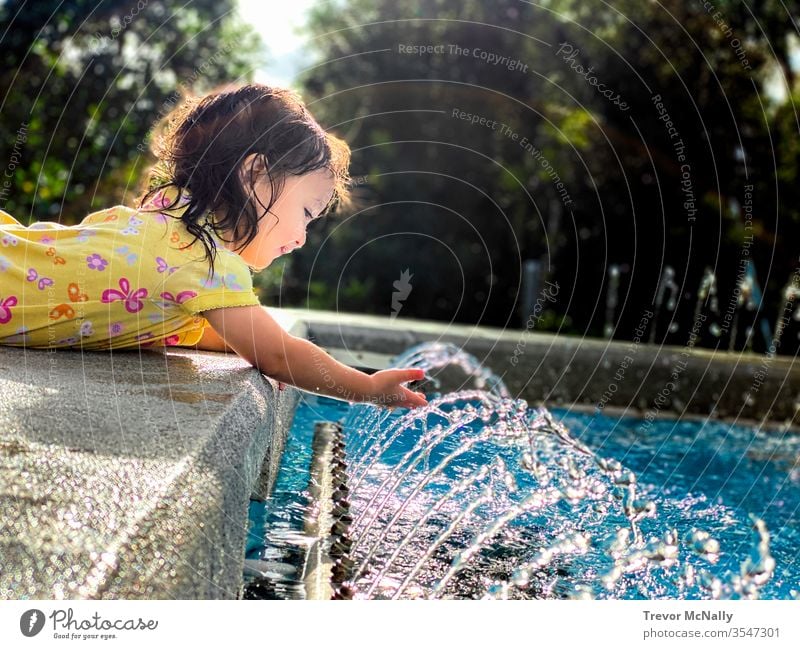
283	228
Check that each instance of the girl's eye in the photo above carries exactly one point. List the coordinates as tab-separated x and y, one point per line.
308	214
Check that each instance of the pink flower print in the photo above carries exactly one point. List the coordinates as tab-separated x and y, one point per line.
160	200
130	256
172	301
161	217
133	299
5	308
47	240
115	328
9	240
96	262
86	328
162	265
43	281
174	339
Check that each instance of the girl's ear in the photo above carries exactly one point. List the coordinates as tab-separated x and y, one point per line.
255	163
260	161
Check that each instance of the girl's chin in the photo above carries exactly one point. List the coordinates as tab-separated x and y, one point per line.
257	268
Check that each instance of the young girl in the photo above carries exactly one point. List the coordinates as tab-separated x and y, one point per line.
240	174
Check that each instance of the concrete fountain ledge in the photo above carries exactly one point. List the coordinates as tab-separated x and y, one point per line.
128	475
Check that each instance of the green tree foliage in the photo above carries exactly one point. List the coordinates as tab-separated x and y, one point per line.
612	133
83	82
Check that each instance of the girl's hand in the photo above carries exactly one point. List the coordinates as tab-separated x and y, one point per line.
387	389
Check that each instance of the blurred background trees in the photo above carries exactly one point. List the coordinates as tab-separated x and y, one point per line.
583	136
82	83
463	205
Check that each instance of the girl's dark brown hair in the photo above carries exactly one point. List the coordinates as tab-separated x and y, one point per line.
202	142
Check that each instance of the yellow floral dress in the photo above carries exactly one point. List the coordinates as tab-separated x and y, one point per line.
121	278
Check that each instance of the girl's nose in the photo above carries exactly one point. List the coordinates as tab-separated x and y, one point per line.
299	242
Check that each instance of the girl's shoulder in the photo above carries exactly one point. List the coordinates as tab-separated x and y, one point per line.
117	213
101	216
7	219
168	201
186	250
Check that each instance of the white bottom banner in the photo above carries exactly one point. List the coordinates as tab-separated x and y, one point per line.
353	624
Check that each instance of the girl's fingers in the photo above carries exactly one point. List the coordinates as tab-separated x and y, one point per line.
412	374
390	382
415	398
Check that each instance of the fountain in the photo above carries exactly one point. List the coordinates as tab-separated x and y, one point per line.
788	312
478	495
707	298
666	283
612	299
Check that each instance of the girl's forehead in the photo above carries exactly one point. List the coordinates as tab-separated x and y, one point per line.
319	181
323	175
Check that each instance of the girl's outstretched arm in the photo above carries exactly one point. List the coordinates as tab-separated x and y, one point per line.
255	335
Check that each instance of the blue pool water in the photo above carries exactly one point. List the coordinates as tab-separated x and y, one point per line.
744	469
705	480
